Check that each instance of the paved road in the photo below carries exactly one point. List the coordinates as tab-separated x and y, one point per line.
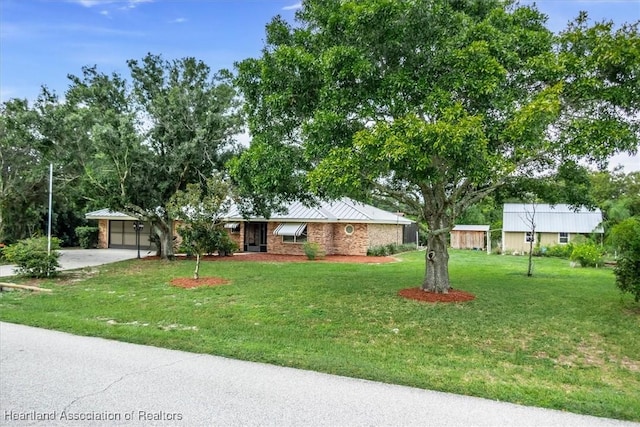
70	259
53	375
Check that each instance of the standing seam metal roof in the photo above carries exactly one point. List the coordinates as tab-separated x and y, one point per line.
550	219
343	210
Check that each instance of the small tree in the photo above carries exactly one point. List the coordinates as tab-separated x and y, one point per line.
200	207
626	238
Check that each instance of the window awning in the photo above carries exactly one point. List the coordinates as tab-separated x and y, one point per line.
290	229
231	225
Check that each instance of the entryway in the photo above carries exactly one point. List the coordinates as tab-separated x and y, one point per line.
255	237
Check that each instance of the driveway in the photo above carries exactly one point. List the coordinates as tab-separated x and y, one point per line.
70	259
50	378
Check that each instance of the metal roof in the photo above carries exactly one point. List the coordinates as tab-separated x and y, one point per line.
465	227
550	218
343	210
108	214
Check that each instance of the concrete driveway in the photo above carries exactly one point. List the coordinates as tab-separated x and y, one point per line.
50	378
70	259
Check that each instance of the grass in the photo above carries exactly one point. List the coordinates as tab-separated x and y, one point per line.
565	338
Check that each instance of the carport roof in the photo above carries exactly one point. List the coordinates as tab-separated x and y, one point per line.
109	214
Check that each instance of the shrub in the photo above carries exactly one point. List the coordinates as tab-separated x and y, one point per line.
625	237
587	254
31	257
87	237
389	249
558	251
312	250
226	245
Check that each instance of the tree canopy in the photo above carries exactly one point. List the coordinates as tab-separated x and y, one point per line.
134	145
433	103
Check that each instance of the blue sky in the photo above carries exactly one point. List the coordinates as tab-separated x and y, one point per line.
41	41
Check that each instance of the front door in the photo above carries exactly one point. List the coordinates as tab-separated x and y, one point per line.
255	237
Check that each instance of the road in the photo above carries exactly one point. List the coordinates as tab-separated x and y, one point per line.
50	378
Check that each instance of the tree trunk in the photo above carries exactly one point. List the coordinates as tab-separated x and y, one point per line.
437	264
530	268
165	239
196	273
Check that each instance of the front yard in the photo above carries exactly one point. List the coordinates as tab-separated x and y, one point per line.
565	338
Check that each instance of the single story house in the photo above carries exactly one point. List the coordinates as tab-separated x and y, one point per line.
341	227
470	237
554	224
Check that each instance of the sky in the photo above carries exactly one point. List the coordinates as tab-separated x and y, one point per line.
42	41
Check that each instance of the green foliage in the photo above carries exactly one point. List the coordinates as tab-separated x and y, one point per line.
389	249
87	236
432	103
557	251
626	238
312	250
226	245
588	254
31	257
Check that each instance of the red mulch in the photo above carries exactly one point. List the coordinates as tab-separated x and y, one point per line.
183	282
418	294
264	257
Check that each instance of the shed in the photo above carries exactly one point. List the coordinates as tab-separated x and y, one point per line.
470	237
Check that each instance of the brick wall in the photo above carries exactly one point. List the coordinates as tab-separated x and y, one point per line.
238	237
383	234
354	244
103	233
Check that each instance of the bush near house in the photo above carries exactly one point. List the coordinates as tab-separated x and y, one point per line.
390	249
87	237
32	258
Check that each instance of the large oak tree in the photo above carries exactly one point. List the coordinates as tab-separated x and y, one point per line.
136	144
433	103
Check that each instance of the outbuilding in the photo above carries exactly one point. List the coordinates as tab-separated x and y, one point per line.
546	225
476	237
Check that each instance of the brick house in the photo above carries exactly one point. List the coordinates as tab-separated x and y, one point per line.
342	227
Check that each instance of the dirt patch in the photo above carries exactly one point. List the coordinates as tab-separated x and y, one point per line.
264	257
418	294
187	283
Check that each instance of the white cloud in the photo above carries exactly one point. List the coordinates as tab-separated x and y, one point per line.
178	21
293	6
128	4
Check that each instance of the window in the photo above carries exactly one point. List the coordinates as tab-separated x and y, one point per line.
349	229
292	232
529	237
296	239
233	227
563	238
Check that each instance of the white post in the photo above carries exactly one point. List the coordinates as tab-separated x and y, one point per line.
50	203
489	242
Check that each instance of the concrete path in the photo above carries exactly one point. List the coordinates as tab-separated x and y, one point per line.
51	378
70	259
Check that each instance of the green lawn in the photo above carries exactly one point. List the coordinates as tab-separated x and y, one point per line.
565	338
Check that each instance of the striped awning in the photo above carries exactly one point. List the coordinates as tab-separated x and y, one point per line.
290	229
231	225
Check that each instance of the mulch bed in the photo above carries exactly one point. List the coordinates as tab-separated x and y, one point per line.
454	295
187	283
